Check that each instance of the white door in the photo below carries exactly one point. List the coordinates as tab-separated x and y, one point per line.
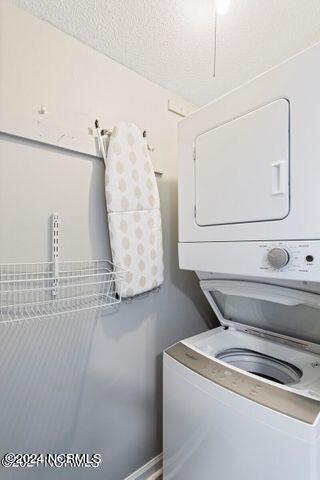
242	168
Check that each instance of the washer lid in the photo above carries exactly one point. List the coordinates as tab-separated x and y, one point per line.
286	313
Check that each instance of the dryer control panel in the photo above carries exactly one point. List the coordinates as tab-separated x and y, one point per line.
291	256
281	260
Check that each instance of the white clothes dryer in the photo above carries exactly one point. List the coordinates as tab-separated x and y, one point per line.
249	177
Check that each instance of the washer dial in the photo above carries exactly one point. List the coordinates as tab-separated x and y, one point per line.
278	257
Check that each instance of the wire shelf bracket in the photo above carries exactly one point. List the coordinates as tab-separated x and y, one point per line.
55	252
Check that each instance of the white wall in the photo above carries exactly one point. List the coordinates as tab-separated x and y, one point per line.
42	66
82	383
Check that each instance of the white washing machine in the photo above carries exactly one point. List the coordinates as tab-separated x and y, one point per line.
242	402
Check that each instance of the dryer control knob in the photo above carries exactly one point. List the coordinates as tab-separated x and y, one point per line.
278	257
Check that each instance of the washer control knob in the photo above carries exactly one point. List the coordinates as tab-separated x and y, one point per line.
278	257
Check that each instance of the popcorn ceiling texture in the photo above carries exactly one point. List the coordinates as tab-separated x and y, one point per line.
171	42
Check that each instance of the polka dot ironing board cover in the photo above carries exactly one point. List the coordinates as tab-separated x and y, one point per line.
133	207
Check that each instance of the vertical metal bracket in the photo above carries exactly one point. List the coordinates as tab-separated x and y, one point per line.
55	252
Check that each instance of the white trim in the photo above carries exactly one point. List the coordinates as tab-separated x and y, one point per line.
145	468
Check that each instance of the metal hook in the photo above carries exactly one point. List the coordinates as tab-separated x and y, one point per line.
108	131
104	131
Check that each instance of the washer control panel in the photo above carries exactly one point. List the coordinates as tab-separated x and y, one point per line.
290	256
249	386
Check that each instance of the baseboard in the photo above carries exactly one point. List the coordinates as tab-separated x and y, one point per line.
150	471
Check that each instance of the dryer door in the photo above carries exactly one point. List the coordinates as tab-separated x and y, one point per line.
242	168
278	311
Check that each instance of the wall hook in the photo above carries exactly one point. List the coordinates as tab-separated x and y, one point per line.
104	131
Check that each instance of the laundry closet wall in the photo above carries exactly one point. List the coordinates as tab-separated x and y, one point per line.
81	383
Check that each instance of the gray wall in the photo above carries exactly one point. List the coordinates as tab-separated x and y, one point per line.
84	383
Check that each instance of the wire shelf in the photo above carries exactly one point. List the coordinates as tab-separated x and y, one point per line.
39	290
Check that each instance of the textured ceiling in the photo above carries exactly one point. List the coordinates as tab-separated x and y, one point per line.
171	42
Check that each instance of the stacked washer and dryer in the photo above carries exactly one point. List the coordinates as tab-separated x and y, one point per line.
242	401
